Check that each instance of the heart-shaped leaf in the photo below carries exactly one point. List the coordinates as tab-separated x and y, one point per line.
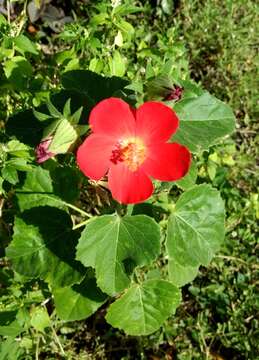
142	309
195	232
114	246
79	301
203	121
42	188
43	246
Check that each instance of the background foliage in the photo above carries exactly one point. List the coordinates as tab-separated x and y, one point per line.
217	42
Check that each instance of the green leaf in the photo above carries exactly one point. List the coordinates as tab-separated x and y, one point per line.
96	65
167	6
10	349
38	190
24	45
9	173
189	179
65	181
40	318
9	326
18	70
125	27
110	244
43	246
90	84
142	309
54	112
117	64
16	148
67	109
79	301
3	20
25	127
19	164
203	121
65	135
126	9
74	118
195	231
99	19
179	274
118	40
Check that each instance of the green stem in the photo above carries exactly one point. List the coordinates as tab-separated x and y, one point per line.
77	226
129	209
37	348
82	212
57	340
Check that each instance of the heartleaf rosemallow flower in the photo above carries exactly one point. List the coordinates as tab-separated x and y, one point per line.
131	147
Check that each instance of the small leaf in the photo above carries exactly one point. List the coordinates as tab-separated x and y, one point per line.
18	71
118	40
9	173
133	240
74	119
96	65
40	318
195	231
126	9
117	64
142	309
40	116
203	121
24	45
16	148
54	111
125	27
79	301
67	109
211	169
167	6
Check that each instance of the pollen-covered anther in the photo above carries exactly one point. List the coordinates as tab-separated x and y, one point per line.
131	151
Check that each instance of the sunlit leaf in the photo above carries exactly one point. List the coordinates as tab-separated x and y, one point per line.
195	232
143	308
113	246
204	120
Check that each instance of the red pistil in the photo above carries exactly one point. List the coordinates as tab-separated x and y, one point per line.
131	151
117	154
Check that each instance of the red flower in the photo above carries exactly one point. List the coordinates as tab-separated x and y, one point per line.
131	146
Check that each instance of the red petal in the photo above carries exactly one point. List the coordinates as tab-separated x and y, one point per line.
155	122
93	156
112	117
129	187
167	162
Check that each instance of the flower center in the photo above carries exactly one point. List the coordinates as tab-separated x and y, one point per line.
131	151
